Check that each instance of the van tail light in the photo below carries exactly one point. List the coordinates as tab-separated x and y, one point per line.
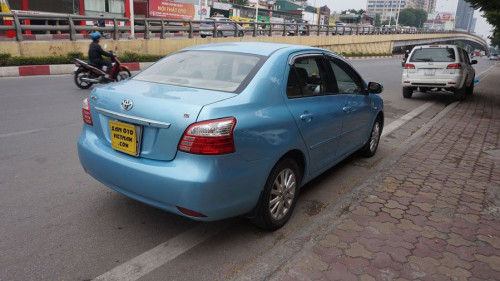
409	66
87	116
454	66
209	137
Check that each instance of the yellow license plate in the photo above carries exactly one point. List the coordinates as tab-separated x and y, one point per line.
124	137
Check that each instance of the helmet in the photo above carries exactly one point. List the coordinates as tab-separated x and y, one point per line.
95	35
407	51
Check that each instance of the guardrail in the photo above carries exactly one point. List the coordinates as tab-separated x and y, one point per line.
154	27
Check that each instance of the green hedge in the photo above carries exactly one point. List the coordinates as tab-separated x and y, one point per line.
8	60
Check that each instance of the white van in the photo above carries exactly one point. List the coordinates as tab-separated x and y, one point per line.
441	67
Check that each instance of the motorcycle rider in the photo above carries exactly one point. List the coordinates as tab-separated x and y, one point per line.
96	53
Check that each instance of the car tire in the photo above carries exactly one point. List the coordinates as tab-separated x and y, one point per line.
370	148
470	90
460	93
279	195
241	34
219	34
203	36
407	93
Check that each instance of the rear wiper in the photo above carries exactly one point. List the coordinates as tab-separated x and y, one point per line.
423	59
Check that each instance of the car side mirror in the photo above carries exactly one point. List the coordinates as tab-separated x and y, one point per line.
473	62
375	88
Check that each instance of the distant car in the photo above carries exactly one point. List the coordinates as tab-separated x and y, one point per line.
220	130
226	27
445	67
493	57
342	28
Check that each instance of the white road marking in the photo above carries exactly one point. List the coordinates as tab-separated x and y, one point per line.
146	262
405	118
20	133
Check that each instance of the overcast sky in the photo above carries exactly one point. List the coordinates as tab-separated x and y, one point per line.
482	26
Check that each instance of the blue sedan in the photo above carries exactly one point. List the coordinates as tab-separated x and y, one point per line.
221	130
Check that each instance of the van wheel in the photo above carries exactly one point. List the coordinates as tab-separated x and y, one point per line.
279	195
460	94
407	93
470	89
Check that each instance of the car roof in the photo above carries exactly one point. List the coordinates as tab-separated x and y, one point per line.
254	48
436	46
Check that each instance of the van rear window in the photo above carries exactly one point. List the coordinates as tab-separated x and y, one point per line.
433	54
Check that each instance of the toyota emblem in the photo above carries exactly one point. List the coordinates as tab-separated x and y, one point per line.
127	104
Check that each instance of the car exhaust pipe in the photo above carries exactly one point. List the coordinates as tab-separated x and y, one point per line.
90	80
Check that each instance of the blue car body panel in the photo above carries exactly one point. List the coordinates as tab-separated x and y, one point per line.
268	127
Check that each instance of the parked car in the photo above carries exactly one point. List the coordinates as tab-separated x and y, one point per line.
221	130
445	67
493	57
225	27
342	28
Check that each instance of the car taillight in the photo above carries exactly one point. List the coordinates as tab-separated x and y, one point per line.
87	116
209	137
454	66
409	66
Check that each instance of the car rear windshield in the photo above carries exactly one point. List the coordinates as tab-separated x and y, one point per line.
433	54
220	71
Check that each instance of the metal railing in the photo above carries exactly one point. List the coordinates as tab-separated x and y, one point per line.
154	27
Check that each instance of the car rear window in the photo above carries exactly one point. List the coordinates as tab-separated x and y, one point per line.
433	54
220	71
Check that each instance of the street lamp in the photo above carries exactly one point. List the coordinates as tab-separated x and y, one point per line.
399	9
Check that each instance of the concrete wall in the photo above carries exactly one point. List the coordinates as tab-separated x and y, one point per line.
366	44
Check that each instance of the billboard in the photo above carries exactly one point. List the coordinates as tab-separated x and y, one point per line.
171	10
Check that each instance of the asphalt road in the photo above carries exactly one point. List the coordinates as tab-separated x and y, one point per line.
57	223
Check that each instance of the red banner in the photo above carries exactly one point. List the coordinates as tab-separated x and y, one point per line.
171	10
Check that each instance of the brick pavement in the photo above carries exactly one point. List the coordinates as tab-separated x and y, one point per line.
434	216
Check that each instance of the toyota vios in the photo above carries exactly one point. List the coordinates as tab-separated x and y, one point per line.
221	130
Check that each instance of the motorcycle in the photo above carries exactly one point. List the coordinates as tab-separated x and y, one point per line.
86	74
403	61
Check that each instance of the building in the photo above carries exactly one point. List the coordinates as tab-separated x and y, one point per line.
464	16
389	8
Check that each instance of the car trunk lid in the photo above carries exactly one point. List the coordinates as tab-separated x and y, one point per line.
157	115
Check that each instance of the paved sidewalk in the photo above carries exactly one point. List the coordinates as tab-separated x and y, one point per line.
434	216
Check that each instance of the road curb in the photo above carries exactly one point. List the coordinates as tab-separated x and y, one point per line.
33	70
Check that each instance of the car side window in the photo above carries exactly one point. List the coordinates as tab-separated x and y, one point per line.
466	57
307	77
348	81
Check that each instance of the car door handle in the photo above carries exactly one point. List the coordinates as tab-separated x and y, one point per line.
307	117
347	109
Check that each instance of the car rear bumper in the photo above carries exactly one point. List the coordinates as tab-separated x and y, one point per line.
449	83
217	186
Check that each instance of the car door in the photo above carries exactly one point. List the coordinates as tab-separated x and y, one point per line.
313	100
356	122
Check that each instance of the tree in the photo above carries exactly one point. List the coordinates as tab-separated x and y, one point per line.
377	19
491	11
412	17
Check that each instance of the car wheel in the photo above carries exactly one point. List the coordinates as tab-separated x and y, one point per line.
219	34
241	34
407	93
203	36
370	148
470	89
460	93
279	195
